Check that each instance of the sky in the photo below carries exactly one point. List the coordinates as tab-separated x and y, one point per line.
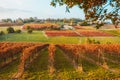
36	8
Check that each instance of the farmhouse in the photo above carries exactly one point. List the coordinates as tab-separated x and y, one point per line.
67	27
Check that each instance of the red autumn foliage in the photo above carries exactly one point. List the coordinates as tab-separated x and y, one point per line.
40	26
61	33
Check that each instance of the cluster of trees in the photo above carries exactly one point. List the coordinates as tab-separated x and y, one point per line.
19	20
11	30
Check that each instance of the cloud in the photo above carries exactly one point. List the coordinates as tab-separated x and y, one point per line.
6	10
12	2
14	13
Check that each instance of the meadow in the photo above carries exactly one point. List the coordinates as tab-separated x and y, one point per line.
40	36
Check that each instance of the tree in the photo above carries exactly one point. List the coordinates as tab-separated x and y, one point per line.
19	21
95	10
8	20
10	30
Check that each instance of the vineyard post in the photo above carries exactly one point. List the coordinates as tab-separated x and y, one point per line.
99	54
5	60
51	49
77	55
23	63
12	57
104	64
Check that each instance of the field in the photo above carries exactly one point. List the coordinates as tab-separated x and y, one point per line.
60	33
80	33
40	36
34	37
62	56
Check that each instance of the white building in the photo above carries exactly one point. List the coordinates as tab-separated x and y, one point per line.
67	27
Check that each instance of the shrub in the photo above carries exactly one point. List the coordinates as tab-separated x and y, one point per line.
97	42
30	31
62	26
84	24
99	25
108	42
28	27
10	30
18	31
90	41
1	33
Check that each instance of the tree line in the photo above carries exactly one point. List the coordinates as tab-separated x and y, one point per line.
36	20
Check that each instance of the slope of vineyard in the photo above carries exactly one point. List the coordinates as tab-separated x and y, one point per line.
38	68
61	61
8	71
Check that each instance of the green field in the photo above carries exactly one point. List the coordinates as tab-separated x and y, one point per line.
39	36
36	36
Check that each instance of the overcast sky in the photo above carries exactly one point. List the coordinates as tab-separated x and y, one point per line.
35	8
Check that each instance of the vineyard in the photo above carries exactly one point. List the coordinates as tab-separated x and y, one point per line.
92	33
85	33
41	26
60	33
59	61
